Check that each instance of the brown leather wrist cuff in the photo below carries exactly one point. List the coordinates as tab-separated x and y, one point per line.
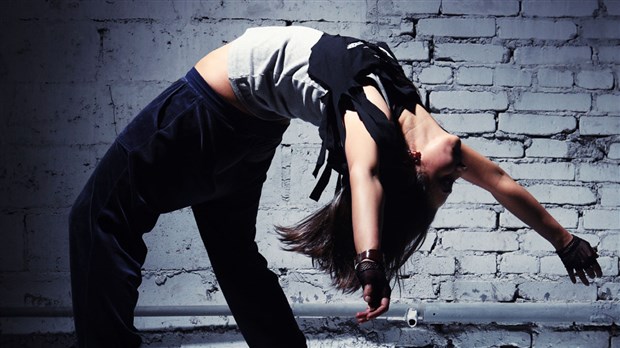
370	254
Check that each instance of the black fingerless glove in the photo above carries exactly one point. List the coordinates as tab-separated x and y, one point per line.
577	255
369	269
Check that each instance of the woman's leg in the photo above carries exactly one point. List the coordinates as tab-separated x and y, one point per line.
107	252
252	291
254	295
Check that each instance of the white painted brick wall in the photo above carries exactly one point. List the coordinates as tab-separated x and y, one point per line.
553	102
595	79
456	27
512	77
547	148
555	78
470	52
466	100
552	55
510	28
518	263
532	84
474	76
536	124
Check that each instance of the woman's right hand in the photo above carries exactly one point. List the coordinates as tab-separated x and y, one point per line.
376	288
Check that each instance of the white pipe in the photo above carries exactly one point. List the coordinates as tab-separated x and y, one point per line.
412	314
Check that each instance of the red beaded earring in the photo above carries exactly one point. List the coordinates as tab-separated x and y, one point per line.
416	156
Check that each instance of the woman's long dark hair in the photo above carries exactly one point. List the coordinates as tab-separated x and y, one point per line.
327	235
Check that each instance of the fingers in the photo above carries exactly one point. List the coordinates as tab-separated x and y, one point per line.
582	276
571	274
597	269
368	293
371	313
383	307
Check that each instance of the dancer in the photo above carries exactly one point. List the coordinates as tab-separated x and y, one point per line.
207	142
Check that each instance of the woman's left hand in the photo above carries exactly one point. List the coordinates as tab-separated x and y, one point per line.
580	258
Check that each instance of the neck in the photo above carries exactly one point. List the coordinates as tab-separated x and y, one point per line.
419	129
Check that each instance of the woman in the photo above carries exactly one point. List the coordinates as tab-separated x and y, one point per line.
207	142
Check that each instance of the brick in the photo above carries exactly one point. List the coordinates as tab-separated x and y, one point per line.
609	291
34	289
511	28
467	123
610	195
548	171
274	190
555	78
496	148
178	288
532	242
474	76
412	51
423	264
551	339
480	337
600	29
552	265
592	125
469	194
465	100
44	177
12	259
301	132
418	287
517	263
456	27
557	292
175	243
301	181
83	110
536	124
613	7
480	53
512	77
435	75
614	151
483	291
547	148
595	79
609	265
552	55
608	54
456	218
269	244
59	53
608	103
480	241
485	264
575	195
601	219
412	7
46	252
553	101
559	8
481	7
345	11
429	242
567	218
599	172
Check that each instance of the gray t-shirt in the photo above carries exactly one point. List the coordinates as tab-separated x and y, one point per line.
268	71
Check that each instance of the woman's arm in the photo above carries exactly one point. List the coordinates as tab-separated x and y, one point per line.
366	194
484	173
